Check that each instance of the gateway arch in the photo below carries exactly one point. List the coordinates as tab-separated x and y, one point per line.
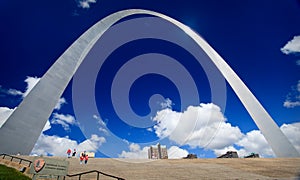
22	129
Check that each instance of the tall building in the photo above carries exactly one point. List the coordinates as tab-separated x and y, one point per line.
158	152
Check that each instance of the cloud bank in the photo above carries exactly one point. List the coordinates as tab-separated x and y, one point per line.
292	47
205	127
57	146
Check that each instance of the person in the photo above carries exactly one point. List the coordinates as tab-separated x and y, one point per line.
74	153
81	158
69	151
86	158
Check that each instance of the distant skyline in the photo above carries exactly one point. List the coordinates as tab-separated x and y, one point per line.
259	40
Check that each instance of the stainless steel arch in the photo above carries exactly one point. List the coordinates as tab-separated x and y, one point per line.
22	129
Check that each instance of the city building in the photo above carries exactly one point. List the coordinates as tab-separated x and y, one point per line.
158	152
191	156
229	154
252	155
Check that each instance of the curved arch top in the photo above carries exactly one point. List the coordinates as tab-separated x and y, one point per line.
22	129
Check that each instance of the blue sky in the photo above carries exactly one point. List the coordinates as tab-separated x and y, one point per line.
195	111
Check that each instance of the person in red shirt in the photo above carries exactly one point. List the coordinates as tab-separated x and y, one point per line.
81	158
69	153
86	158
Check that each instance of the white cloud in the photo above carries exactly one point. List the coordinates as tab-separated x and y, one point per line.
150	129
64	120
57	146
291	104
134	147
91	144
201	126
5	112
15	92
103	130
298	62
166	104
292	47
12	92
31	82
205	127
292	132
60	103
175	152
47	126
293	98
135	152
255	142
85	4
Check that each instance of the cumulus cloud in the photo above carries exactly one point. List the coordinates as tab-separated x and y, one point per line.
136	152
293	98
166	104
86	4
175	152
292	132
205	127
255	142
5	112
57	146
60	103
31	82
47	126
292	47
91	144
64	120
201	126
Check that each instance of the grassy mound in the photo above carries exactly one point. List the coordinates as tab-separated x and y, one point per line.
7	173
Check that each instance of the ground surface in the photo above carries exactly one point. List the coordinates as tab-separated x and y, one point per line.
259	168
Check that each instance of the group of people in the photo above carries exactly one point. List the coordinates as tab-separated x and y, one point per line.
83	156
69	152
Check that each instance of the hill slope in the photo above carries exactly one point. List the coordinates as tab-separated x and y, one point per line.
258	168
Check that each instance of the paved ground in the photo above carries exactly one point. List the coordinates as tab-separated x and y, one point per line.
260	168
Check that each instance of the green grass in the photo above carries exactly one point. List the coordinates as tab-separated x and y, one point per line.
7	173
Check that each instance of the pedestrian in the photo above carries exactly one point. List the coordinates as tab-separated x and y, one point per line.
69	151
81	158
74	153
86	158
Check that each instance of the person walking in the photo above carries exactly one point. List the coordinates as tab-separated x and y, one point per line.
86	158
81	158
74	153
69	151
